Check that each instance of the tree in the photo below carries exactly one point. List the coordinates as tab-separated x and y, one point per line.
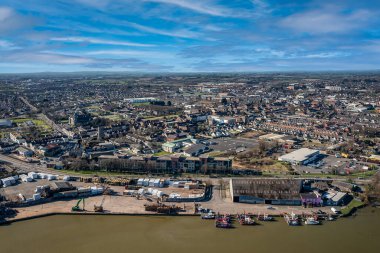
262	147
373	188
79	165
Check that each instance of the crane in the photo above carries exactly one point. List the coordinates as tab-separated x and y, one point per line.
99	209
76	208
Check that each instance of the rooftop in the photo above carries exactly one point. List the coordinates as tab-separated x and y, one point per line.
299	155
267	188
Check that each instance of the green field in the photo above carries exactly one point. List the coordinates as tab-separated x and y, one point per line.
364	175
141	104
113	117
95	107
40	124
97	173
216	153
21	120
161	153
162	117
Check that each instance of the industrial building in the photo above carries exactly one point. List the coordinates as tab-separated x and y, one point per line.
301	156
5	123
140	100
266	191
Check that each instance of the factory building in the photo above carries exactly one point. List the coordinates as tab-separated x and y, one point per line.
301	156
5	123
266	191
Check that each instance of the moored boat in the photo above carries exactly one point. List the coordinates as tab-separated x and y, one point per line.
330	218
223	221
247	220
209	216
223	225
265	217
292	219
312	221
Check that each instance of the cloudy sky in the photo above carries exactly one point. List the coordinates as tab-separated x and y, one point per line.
189	35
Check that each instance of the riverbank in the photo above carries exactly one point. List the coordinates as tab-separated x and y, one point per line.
352	207
37	216
122	205
165	234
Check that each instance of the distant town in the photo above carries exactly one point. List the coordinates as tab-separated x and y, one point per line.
303	146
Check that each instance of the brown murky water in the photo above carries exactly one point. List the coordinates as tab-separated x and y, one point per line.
106	234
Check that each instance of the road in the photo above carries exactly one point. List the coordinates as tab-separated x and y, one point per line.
46	119
33	167
26	102
23	166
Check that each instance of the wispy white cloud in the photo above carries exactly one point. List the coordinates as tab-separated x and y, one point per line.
327	55
134	53
5	13
261	7
213	28
201	6
11	21
62	60
181	33
327	20
90	29
99	41
219	34
6	44
371	45
95	3
268	52
39	57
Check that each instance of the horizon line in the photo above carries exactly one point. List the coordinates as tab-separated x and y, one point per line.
191	72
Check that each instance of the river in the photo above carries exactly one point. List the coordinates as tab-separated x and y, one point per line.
106	234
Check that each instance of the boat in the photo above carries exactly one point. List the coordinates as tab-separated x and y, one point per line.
247	220
223	225
265	217
312	221
209	216
293	223
292	219
330	218
225	217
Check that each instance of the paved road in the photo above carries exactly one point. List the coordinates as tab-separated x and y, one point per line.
23	166
45	118
33	108
28	167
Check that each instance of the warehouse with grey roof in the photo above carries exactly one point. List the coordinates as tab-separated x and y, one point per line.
266	191
301	156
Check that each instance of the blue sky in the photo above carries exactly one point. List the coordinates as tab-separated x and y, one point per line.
189	35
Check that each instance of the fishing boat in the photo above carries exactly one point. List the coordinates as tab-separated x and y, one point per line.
225	217
265	217
292	219
312	221
223	223
247	220
209	216
330	218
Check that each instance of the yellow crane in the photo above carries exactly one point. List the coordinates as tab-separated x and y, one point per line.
99	209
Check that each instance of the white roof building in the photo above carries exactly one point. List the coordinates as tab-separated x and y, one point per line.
301	156
5	123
